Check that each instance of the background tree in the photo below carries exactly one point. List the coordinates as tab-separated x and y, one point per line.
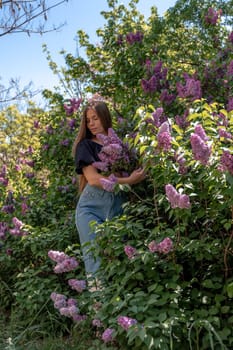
29	17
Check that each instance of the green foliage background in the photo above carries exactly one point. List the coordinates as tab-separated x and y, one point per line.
180	300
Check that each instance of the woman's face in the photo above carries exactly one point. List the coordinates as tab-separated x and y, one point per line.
94	124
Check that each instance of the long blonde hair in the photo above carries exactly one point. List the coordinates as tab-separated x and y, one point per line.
104	115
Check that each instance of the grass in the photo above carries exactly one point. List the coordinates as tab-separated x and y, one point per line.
14	336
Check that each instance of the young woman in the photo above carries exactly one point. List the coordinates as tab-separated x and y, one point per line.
95	204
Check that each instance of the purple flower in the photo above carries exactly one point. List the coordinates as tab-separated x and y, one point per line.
150	85
181	121
176	199
45	147
64	262
79	318
8	209
191	89
17	230
30	150
164	247
29	175
164	137
230	69
126	322
130	251
57	256
36	124
167	98
230	104
97	323
120	39
225	134
4	181
226	162
158	117
181	161
17	223
3	229
65	142
72	123
58	299
103	166
107	335
201	132
153	247
67	265
49	129
64	189
73	106
17	167
109	183
30	163
9	251
212	16
3	171
201	151
131	38
24	208
78	285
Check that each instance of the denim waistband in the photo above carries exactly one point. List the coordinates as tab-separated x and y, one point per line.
100	192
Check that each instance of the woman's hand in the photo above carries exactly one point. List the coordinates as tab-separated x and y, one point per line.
137	176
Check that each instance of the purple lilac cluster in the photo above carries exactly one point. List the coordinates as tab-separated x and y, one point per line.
64	262
164	137
164	247
230	69
225	134
3	229
182	121
67	307
230	104
78	285
130	251
130	38
226	162
191	89
115	158
109	183
167	98
97	323
176	199
157	118
8	208
72	106
107	335
17	229
201	150
156	80
212	16
180	160
3	176
126	322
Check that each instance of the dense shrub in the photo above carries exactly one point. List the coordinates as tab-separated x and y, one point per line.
165	278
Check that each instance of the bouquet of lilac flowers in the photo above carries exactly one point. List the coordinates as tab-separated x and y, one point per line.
116	159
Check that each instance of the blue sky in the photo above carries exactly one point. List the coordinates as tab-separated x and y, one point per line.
22	56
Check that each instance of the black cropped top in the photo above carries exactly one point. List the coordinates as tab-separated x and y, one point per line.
86	154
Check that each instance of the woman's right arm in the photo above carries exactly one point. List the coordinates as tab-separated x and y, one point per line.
93	177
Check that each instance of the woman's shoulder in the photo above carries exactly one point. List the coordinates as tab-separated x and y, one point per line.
88	144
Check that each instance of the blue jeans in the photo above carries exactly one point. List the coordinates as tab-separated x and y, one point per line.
95	204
